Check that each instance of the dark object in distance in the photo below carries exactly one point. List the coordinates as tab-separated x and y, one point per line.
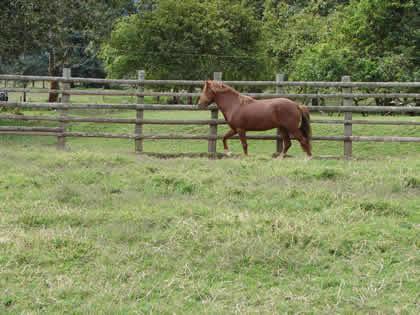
4	96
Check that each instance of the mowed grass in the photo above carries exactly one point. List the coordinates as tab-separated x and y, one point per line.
99	229
99	232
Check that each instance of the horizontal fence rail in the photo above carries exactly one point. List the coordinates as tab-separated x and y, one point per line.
255	95
201	82
157	107
60	110
189	121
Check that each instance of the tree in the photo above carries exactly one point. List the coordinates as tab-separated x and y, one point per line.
381	26
186	39
290	27
56	27
256	5
323	62
11	32
371	40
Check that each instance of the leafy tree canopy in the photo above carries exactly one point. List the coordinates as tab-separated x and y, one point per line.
372	40
246	39
59	28
186	39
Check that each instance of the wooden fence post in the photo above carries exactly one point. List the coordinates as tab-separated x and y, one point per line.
279	90
65	98
214	115
348	128
141	74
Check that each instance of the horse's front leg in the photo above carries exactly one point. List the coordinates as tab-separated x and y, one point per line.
229	134
242	135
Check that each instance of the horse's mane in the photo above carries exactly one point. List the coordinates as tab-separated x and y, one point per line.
218	86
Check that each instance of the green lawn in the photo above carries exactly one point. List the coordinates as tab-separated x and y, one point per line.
93	232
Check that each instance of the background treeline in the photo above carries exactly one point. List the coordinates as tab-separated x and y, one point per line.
373	40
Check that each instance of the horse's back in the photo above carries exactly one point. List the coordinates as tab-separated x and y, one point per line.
266	114
280	102
279	107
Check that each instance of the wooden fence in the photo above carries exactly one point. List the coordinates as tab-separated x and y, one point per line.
138	120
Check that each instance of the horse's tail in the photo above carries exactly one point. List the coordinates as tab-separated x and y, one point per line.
305	125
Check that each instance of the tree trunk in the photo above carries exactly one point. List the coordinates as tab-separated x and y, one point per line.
53	70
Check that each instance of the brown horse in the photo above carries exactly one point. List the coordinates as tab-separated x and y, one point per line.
244	113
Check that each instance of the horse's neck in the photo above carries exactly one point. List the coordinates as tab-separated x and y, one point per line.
227	103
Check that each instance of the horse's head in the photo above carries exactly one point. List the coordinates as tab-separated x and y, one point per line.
207	95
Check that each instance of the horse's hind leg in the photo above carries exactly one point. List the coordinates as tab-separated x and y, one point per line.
286	141
229	134
303	141
242	135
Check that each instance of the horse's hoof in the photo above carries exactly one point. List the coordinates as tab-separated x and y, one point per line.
228	153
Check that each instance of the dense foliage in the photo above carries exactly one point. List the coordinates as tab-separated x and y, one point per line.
65	32
185	39
373	40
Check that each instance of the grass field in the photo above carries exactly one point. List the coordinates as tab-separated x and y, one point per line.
98	229
119	233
